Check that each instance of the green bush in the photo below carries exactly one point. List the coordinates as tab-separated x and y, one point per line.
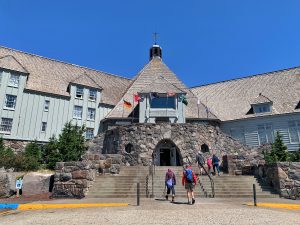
294	156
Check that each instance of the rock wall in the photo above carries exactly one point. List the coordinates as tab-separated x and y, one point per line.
16	145
72	179
280	175
7	183
36	183
188	138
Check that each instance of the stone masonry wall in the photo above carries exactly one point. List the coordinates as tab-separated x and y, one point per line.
280	175
187	137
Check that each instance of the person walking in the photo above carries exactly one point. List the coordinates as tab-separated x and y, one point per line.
189	180
170	182
215	162
200	161
209	165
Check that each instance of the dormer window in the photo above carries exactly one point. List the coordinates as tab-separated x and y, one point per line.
79	92
261	104
263	108
92	95
14	80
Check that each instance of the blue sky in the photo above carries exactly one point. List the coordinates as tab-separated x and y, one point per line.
203	41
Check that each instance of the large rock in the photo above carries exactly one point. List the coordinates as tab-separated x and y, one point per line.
7	183
36	183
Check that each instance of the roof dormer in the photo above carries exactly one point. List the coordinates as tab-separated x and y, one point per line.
260	104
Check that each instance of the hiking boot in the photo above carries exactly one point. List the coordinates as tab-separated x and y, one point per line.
173	198
193	201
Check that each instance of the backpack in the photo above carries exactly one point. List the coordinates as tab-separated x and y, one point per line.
170	183
189	175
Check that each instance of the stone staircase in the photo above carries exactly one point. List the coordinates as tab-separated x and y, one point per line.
124	185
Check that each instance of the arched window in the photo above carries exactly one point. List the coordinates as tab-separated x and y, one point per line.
204	148
128	148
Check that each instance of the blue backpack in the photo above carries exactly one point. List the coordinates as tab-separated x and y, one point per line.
189	175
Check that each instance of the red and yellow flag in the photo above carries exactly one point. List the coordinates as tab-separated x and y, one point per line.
127	105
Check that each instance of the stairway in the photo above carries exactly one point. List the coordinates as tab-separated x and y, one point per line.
124	185
237	187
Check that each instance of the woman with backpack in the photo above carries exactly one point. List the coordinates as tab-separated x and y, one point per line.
189	180
170	182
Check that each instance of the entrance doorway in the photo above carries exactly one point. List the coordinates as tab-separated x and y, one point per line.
167	154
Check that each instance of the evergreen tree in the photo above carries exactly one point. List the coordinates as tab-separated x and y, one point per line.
33	150
278	153
71	142
51	154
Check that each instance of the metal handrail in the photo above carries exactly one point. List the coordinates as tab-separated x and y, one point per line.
212	184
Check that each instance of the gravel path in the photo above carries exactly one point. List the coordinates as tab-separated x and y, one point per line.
158	212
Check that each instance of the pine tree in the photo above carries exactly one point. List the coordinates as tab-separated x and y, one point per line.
279	150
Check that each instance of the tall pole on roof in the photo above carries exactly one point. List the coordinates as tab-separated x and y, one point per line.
155	35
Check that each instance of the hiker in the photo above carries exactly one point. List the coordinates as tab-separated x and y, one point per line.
215	162
209	165
170	182
189	180
200	161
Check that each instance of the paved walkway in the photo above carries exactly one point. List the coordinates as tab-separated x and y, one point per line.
205	211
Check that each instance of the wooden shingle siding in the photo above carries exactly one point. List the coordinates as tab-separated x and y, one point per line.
279	123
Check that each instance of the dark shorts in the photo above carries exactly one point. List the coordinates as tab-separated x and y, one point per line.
189	186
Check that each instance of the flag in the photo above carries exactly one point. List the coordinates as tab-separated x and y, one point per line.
136	97
170	93
127	104
153	95
198	101
182	98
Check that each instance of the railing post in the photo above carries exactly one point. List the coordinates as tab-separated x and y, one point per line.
138	194
254	195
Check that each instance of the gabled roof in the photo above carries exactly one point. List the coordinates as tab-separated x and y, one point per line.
161	85
151	78
52	76
11	63
230	100
260	99
85	80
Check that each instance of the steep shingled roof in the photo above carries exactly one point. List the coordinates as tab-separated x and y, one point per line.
154	75
11	63
52	76
86	80
231	100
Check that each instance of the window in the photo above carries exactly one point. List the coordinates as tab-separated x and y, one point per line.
79	92
46	105
128	148
10	101
6	124
262	108
91	114
77	113
89	133
14	80
44	126
163	102
92	95
294	131
238	133
265	133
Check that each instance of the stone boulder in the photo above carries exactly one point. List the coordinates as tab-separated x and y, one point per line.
36	183
7	183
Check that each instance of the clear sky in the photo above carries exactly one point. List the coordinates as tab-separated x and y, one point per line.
203	41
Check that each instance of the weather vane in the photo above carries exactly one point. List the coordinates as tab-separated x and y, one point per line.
155	35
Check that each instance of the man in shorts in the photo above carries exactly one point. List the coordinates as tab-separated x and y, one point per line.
189	180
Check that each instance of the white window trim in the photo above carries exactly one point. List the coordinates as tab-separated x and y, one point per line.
75	117
266	136
94	99
76	92
13	85
88	118
298	132
44	131
10	108
6	132
92	133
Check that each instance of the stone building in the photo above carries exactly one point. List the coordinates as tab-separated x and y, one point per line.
39	95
